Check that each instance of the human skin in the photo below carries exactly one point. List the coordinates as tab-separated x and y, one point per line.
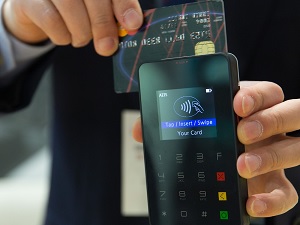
74	22
265	120
265	116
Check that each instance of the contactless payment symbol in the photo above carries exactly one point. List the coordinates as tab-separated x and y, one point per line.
187	106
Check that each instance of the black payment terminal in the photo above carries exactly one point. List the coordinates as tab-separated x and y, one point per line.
190	141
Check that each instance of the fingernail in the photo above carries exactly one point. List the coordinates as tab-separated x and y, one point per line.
107	45
253	162
252	130
132	19
247	104
258	206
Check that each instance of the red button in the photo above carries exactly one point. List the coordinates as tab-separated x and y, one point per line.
220	176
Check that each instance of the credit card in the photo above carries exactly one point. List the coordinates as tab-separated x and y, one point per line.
175	31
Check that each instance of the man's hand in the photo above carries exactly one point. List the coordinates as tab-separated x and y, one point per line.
265	120
74	22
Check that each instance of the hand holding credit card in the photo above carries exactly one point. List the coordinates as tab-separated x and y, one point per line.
175	31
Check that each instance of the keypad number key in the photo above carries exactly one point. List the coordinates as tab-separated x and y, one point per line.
162	196
202	195
160	159
183	214
161	177
182	195
180	177
201	176
199	157
179	158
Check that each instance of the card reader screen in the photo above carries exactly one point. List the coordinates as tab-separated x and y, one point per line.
186	113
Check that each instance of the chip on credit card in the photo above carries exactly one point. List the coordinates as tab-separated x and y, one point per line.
196	28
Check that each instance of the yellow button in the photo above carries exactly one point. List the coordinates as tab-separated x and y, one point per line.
222	196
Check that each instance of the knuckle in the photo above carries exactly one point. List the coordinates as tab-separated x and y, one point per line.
101	21
277	120
55	27
51	18
260	100
275	160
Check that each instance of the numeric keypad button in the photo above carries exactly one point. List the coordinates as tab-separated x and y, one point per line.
161	177
180	177
183	214
179	158
182	195
201	176
163	195
202	195
199	157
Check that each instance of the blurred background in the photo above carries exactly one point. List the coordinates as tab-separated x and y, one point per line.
25	161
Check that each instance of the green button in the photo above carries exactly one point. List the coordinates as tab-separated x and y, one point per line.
224	215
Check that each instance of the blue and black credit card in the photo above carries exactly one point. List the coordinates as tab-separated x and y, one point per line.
175	31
